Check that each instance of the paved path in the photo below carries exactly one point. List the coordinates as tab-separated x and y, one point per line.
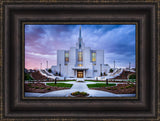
78	86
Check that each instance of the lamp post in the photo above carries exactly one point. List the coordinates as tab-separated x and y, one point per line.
129	65
114	64
106	81
47	69
40	65
55	82
47	64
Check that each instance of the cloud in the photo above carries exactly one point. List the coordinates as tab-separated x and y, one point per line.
43	41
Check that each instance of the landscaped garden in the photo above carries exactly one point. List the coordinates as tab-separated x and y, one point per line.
119	89
42	88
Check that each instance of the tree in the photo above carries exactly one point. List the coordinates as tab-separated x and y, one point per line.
111	70
104	74
133	76
101	74
56	74
59	73
27	76
49	70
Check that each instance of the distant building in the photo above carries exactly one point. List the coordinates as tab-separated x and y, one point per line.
80	61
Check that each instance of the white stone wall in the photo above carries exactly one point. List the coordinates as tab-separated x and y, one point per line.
60	57
67	71
87	61
93	70
99	61
72	61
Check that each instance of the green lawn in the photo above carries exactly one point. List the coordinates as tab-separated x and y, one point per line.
59	85
99	85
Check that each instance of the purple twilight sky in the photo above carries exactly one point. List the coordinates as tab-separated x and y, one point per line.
43	41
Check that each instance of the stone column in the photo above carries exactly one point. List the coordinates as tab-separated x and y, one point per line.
84	74
76	73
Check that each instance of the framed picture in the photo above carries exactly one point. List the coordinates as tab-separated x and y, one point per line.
80	60
62	70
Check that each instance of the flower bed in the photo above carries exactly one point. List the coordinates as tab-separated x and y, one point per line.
119	89
79	94
40	88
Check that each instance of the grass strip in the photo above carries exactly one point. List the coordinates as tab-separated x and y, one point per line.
59	85
99	85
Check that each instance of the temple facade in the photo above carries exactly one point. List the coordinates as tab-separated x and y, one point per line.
80	61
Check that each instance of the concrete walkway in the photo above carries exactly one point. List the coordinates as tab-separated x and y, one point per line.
77	86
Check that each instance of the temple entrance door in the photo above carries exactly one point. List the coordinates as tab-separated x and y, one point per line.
79	74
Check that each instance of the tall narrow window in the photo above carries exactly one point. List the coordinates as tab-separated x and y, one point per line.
66	57
93	57
80	57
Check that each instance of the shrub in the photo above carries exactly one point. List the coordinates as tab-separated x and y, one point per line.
133	76
37	87
101	74
114	88
109	88
79	93
42	88
122	87
127	87
56	74
29	84
132	85
48	88
76	93
49	70
84	93
27	76
111	70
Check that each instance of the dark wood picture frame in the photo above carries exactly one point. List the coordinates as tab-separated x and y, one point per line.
16	107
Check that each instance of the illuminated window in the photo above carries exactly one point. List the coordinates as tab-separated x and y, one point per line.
80	65
93	57
80	58
67	57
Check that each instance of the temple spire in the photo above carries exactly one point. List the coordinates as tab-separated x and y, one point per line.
80	42
80	32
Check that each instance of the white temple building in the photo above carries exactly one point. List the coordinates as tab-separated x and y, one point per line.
80	61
